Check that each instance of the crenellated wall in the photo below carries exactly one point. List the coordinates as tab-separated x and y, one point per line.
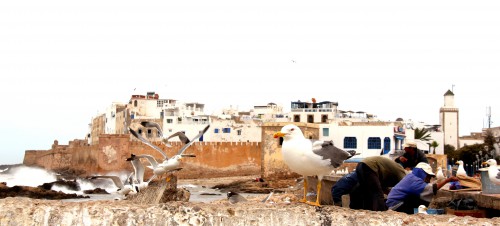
213	159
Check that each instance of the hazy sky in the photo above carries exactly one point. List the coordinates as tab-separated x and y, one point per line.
62	62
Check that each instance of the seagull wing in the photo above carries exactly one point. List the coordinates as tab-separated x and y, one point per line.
327	150
139	169
184	139
193	140
138	136
115	179
153	125
150	158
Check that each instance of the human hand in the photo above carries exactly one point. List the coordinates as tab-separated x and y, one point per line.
403	159
452	178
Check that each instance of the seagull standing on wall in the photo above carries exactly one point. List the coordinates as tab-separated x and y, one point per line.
310	157
461	170
493	172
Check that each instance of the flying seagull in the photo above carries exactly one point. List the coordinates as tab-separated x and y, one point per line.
139	173
310	157
168	164
150	124
493	172
182	137
128	189
146	142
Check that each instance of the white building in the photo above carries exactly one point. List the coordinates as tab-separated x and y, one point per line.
448	116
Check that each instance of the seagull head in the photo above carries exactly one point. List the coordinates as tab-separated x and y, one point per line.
459	162
289	131
491	162
422	209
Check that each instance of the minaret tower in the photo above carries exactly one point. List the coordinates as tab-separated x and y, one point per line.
448	116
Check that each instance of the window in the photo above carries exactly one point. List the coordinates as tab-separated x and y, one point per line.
239	132
226	130
296	118
216	130
310	118
326	132
170	120
374	143
149	132
387	145
350	142
324	118
135	103
139	131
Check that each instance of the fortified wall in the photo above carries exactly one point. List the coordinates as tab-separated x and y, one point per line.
213	159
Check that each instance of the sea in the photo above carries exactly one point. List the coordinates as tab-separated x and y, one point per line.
33	176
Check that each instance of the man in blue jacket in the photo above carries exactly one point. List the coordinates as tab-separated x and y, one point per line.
415	189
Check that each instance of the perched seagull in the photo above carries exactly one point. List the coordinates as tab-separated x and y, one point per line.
440	175
310	157
493	172
168	164
128	189
234	197
422	209
461	170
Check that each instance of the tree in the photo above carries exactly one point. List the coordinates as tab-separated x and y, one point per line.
422	134
434	145
489	140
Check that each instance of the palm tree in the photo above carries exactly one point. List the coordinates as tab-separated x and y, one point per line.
422	134
434	145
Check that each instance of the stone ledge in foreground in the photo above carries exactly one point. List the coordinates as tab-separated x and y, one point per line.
26	211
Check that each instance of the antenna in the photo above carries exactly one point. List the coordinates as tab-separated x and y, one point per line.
452	86
488	115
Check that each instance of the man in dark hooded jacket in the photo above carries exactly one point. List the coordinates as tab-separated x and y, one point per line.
415	189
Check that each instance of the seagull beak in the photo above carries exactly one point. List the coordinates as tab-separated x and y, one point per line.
456	163
278	134
484	163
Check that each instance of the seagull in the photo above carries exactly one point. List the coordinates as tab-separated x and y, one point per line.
461	170
310	157
493	172
150	124
146	142
139	173
440	175
159	169
168	164
128	189
182	137
234	197
422	209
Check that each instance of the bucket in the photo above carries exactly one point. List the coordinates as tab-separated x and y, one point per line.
487	186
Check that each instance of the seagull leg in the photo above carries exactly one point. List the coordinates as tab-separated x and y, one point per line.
318	192
305	190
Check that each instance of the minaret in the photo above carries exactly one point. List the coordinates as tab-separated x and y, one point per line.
448	116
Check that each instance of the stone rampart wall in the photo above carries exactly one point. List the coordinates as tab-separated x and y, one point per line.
213	159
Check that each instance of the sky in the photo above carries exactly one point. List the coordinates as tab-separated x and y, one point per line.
63	62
